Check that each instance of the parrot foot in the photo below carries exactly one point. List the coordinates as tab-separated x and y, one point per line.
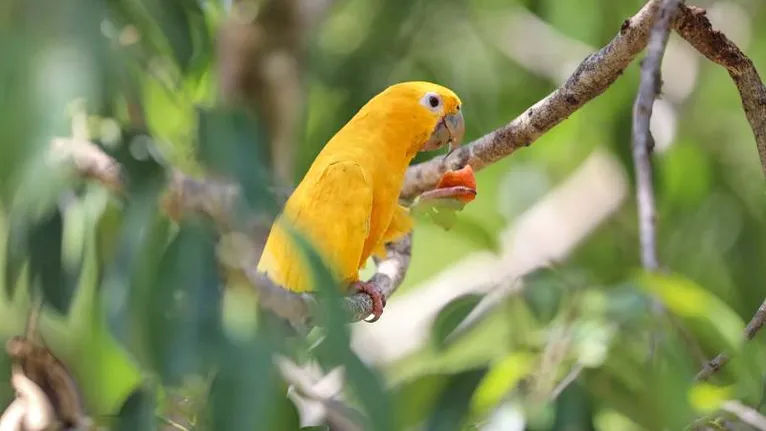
378	299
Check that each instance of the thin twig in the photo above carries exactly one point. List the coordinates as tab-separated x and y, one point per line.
752	328
570	377
648	90
746	414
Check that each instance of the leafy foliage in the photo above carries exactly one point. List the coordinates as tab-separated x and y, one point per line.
561	337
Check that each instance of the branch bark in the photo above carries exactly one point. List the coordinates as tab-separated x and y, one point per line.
215	199
594	75
691	23
643	143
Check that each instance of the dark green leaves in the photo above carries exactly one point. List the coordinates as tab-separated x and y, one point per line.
335	349
137	413
452	408
183	307
229	142
450	317
37	242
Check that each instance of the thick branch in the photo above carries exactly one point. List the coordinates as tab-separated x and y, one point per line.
594	75
215	200
648	90
692	24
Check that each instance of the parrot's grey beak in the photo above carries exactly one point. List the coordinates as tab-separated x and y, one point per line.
449	131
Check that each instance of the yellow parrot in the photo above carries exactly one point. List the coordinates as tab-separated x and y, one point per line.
347	206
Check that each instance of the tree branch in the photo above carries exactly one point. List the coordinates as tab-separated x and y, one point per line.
215	200
594	75
643	143
692	24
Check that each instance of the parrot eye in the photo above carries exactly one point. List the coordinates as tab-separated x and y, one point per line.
432	101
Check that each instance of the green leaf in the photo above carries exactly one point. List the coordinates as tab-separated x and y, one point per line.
38	240
335	348
574	410
442	212
454	404
705	314
137	413
172	21
474	231
182	313
450	316
416	398
245	391
543	292
232	142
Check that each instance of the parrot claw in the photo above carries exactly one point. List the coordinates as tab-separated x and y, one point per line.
378	299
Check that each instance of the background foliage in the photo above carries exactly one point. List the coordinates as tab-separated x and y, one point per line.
136	307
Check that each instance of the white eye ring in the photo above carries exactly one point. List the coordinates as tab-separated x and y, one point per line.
431	101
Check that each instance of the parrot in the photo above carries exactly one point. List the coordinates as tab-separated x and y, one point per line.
347	204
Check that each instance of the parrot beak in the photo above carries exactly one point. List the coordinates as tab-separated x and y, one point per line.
448	131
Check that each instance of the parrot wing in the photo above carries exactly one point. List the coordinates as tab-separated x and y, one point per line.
336	213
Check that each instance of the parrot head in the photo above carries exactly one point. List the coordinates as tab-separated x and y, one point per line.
435	107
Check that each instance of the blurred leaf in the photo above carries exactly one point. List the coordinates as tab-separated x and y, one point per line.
230	144
574	410
453	406
173	21
443	212
475	232
450	316
707	316
335	348
543	293
137	413
501	379
145	172
39	239
183	312
707	398
416	398
246	394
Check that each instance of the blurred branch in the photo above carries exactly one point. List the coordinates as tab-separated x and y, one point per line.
692	24
216	199
648	90
334	411
594	75
746	414
752	328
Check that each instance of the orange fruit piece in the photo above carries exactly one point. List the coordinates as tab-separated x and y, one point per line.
461	181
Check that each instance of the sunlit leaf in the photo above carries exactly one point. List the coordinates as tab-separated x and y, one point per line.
502	377
712	317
